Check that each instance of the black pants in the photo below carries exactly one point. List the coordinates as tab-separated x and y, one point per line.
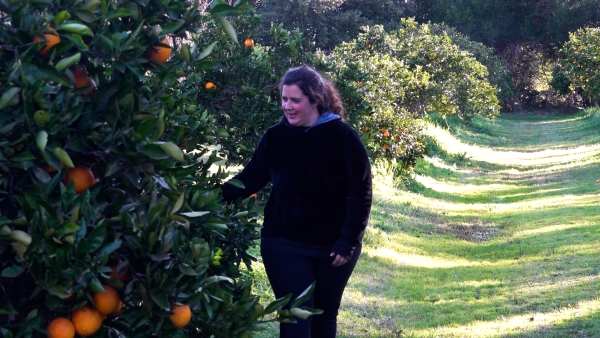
291	267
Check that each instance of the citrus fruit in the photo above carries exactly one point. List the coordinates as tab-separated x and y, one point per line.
41	116
386	134
159	53
52	39
118	309
181	315
82	176
82	80
209	85
86	320
106	302
61	328
50	169
123	276
249	43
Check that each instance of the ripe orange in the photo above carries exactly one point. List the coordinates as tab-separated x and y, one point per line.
181	315
118	309
124	276
209	85
367	128
386	134
52	39
50	169
61	328
82	176
159	53
86	320
249	43
106	302
82	80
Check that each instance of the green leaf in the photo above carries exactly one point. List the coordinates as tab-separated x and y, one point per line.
300	313
187	270
206	52
63	156
76	28
237	183
120	13
277	304
154	151
85	15
61	17
194	214
5	129
229	30
6	99
12	271
160	299
42	140
173	150
304	296
59	291
178	204
78	41
216	279
68	62
96	237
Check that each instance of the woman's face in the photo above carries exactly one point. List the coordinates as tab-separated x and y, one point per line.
297	107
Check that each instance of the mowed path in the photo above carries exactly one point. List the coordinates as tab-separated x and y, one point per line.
499	238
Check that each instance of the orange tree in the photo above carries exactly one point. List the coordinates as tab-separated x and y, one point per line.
580	63
391	80
98	85
245	100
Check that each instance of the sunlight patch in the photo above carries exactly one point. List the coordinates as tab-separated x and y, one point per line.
418	260
519	324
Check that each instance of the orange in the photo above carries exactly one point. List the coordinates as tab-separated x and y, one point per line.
118	309
159	53
386	134
52	39
106	302
124	276
61	328
51	169
181	315
82	80
82	176
367	128
86	320
249	43
209	85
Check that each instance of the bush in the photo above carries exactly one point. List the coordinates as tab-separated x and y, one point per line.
581	61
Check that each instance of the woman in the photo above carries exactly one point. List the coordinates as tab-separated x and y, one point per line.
319	206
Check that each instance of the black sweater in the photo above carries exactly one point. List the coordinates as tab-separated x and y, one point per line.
322	190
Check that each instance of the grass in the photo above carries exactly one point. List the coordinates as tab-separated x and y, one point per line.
497	234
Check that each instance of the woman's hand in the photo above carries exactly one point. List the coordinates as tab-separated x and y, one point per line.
338	260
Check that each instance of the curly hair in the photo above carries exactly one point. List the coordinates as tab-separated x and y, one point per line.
317	88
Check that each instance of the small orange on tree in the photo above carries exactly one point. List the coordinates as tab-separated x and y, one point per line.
51	38
160	53
106	302
82	176
182	314
121	274
61	328
249	43
209	86
86	320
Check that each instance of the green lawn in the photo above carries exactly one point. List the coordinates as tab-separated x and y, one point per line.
496	234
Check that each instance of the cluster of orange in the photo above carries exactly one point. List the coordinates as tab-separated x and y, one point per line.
87	320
